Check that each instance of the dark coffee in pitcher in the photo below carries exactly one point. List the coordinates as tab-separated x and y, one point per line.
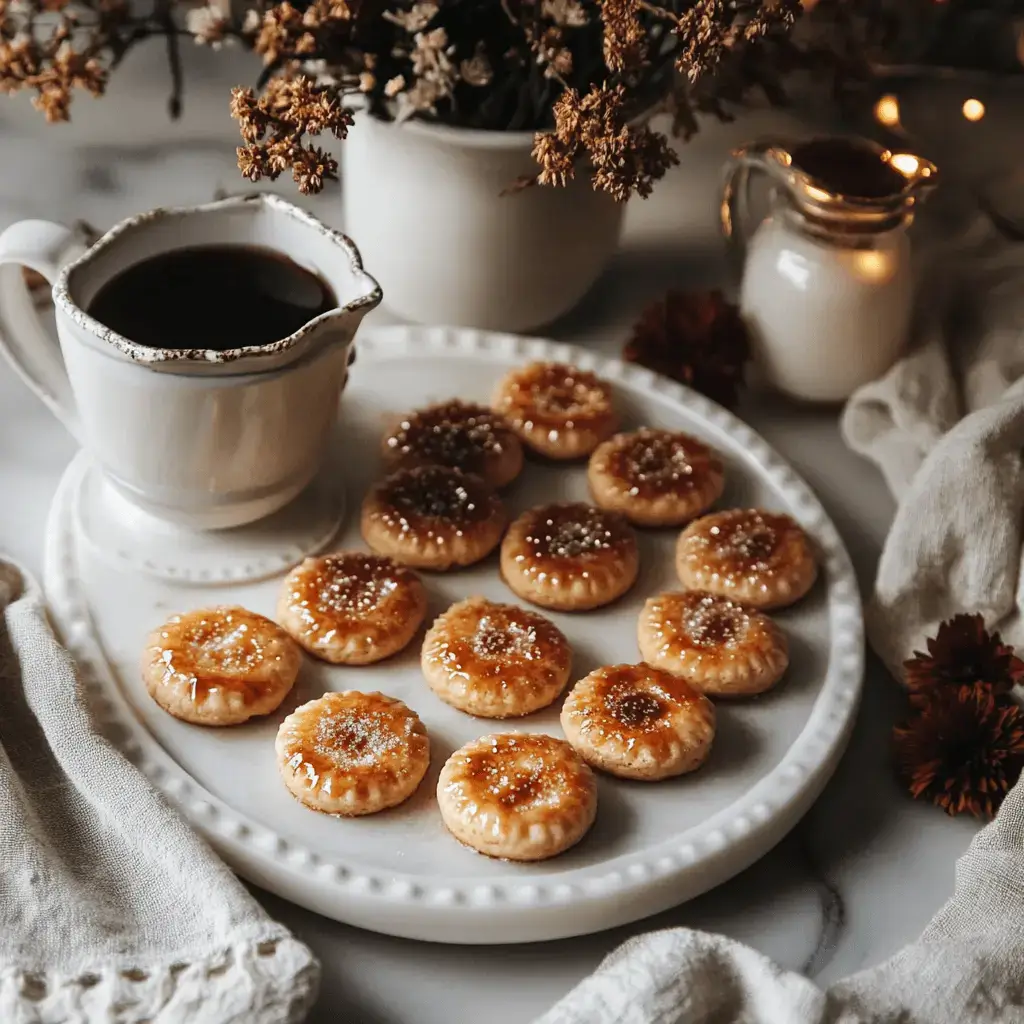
212	297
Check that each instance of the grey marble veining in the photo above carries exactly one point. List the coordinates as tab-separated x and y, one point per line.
862	873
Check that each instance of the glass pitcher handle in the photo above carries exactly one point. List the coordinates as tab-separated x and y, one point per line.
735	206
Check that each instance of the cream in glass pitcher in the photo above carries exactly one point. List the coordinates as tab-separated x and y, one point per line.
826	279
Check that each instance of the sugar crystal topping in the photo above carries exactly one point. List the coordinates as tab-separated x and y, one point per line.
659	459
357	738
575	531
350	587
496	639
517	771
453	434
746	536
223	641
437	493
710	621
633	708
562	391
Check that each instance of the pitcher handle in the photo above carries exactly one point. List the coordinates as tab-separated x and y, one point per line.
33	350
735	206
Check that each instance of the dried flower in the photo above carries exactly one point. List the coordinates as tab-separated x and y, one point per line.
564	13
394	86
273	127
625	39
694	337
416	19
962	749
208	25
963	652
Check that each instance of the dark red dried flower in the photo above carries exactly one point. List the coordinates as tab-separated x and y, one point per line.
963	652
962	749
696	338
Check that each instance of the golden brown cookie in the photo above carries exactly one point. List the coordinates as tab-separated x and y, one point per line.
762	559
352	608
656	477
570	556
352	753
459	434
517	796
716	644
495	660
558	410
219	666
639	722
433	518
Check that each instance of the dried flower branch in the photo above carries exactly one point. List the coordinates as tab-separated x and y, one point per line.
274	125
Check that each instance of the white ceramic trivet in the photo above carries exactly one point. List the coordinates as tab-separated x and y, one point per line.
653	845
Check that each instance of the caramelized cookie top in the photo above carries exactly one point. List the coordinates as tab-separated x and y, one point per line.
433	497
517	772
629	704
554	395
652	462
743	543
484	641
341	590
554	535
360	736
223	648
460	434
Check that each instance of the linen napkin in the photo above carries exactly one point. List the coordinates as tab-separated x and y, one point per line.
946	427
111	908
966	968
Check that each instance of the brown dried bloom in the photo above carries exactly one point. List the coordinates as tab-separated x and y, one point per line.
273	126
625	40
962	749
963	652
286	32
67	70
626	158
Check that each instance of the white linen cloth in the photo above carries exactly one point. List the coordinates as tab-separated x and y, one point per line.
946	428
111	908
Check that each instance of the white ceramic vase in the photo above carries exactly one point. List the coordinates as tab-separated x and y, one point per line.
426	203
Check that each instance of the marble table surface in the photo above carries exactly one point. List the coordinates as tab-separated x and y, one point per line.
858	878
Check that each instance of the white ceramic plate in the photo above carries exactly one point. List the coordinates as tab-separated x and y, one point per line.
652	846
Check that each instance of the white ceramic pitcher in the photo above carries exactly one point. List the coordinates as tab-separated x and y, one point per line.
200	438
826	279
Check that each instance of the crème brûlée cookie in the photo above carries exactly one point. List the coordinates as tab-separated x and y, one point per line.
570	556
495	660
352	753
517	796
433	517
351	608
721	647
655	477
762	559
639	722
558	410
219	666
459	434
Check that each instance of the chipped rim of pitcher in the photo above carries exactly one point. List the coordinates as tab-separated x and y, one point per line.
148	354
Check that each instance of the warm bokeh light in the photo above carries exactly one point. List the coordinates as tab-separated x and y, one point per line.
973	110
887	111
905	163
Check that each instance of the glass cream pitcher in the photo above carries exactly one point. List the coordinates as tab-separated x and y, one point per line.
826	280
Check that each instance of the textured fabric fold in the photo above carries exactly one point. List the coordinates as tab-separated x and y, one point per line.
111	907
966	968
